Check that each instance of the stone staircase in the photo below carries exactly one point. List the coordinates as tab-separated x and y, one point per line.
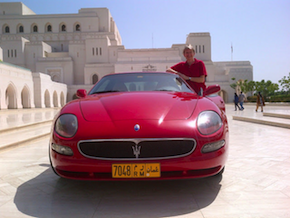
18	127
267	118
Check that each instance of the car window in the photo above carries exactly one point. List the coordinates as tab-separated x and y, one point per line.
132	82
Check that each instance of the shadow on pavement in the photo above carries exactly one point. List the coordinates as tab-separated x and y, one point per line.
49	196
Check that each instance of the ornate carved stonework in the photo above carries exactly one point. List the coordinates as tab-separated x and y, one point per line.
149	68
55	74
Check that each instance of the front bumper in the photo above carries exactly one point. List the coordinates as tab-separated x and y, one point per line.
192	166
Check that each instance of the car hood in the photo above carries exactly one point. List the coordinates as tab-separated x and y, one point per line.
138	106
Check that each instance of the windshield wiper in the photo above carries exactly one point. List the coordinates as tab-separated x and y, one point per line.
106	91
165	90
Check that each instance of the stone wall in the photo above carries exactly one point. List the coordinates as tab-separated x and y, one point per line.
16	87
20	88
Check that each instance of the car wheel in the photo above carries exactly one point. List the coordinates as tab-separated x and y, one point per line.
220	172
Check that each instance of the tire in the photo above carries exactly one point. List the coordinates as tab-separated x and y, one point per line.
220	173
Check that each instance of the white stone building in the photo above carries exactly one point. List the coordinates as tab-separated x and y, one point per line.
79	49
20	88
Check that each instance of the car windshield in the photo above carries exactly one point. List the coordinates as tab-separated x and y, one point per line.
132	82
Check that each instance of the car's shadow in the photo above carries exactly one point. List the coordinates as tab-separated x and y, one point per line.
49	196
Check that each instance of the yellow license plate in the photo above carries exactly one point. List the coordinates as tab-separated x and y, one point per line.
136	170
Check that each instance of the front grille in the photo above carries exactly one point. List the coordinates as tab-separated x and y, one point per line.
126	149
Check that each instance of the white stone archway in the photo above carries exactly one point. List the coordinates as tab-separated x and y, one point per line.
55	99
10	97
47	99
62	99
25	97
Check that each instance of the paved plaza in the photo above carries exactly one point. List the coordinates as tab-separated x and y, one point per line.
255	184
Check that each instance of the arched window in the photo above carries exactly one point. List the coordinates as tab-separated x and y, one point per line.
7	29
55	78
21	29
49	28
35	29
63	28
95	78
78	27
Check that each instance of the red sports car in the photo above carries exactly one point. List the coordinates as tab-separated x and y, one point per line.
144	125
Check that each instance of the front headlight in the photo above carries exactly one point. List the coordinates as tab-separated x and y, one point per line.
208	122
66	125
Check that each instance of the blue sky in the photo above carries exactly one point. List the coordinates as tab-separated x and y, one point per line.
259	30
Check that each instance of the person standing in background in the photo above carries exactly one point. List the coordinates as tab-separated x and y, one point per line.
242	98
260	102
236	100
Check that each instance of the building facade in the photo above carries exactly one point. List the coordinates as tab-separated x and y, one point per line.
20	88
79	49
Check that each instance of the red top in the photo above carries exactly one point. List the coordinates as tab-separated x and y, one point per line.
197	69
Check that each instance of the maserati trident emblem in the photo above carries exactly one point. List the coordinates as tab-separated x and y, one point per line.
136	127
136	150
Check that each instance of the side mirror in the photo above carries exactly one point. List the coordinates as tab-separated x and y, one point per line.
81	93
211	89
